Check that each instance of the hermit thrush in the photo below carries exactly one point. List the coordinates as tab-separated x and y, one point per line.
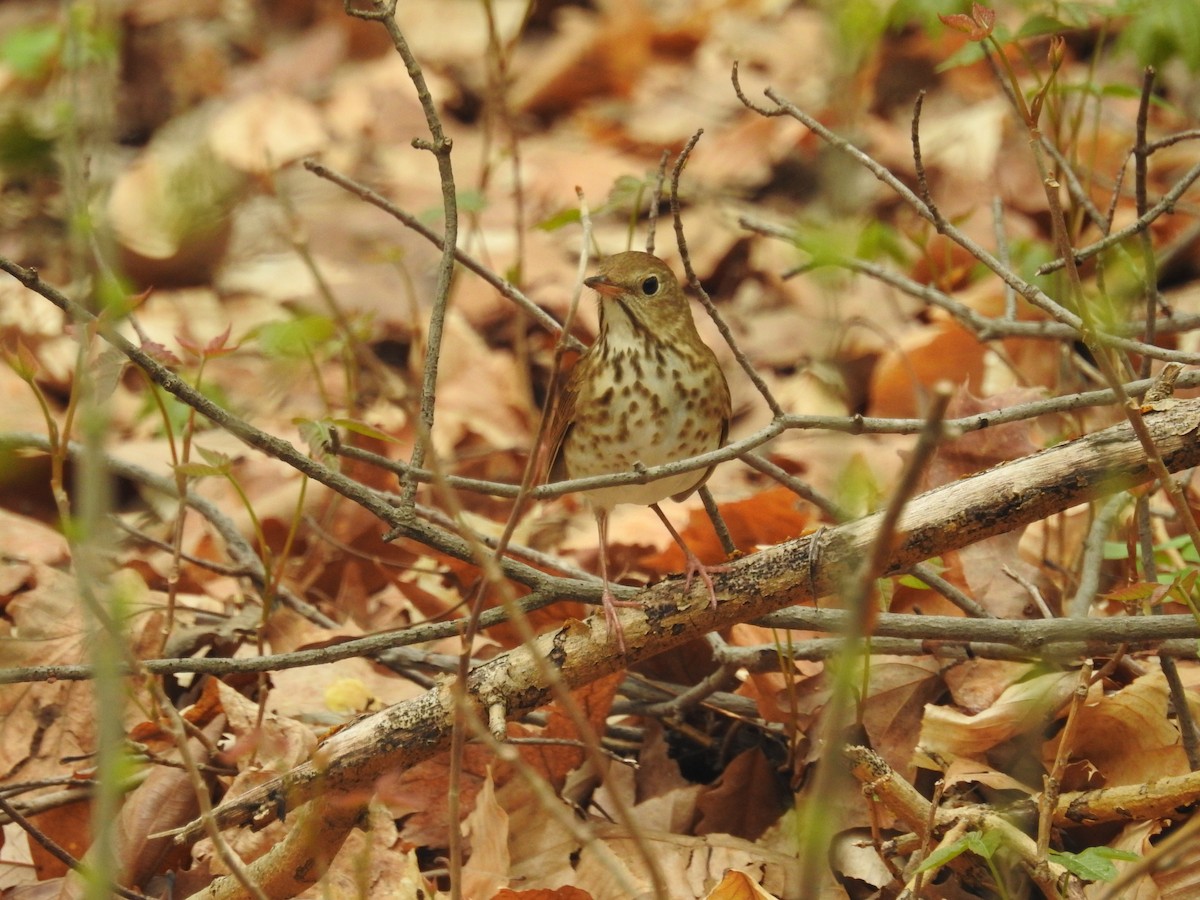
648	391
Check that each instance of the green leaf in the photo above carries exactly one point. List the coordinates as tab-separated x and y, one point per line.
29	52
199	470
983	844
214	458
178	413
560	219
921	12
625	192
628	193
1116	550
364	429
23	150
1040	24
471	201
1092	864
830	243
857	492
295	338
943	855
912	581
1161	30
317	435
880	240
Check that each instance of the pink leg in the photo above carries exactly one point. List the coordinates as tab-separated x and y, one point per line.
610	602
694	566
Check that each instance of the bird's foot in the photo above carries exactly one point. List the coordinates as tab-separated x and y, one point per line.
611	604
696	568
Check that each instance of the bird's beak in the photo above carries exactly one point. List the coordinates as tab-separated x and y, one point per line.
600	286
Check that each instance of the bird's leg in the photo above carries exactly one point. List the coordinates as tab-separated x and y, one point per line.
693	565
610	602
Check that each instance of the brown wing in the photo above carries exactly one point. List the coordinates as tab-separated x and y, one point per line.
562	419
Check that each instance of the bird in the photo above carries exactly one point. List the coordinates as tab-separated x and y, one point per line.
648	391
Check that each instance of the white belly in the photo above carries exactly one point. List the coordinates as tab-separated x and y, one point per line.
647	417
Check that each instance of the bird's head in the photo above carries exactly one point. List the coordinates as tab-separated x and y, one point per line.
641	289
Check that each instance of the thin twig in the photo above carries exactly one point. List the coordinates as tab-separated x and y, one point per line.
1141	155
656	200
440	146
984	327
1166	204
506	288
706	301
1188	732
1093	556
929	575
922	179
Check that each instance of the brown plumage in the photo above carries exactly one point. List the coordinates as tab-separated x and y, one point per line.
648	391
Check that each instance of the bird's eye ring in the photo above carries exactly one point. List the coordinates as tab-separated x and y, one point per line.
650	286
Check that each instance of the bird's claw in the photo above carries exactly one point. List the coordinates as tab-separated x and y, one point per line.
694	568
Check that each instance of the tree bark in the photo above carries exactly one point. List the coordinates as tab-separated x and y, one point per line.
947	518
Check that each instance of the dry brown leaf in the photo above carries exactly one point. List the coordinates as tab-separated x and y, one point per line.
479	393
898	691
542	851
969	771
746	800
978	683
982	449
553	762
946	266
908	598
1138	838
738	886
165	800
170	208
265	131
486	828
609	866
854	855
589	56
768	518
793	697
69	826
27	543
42	723
566	892
919	359
260	750
1127	736
1180	880
417	796
374	862
985	567
1022	708
326	690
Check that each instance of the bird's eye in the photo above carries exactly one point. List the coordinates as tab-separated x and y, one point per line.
650	286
